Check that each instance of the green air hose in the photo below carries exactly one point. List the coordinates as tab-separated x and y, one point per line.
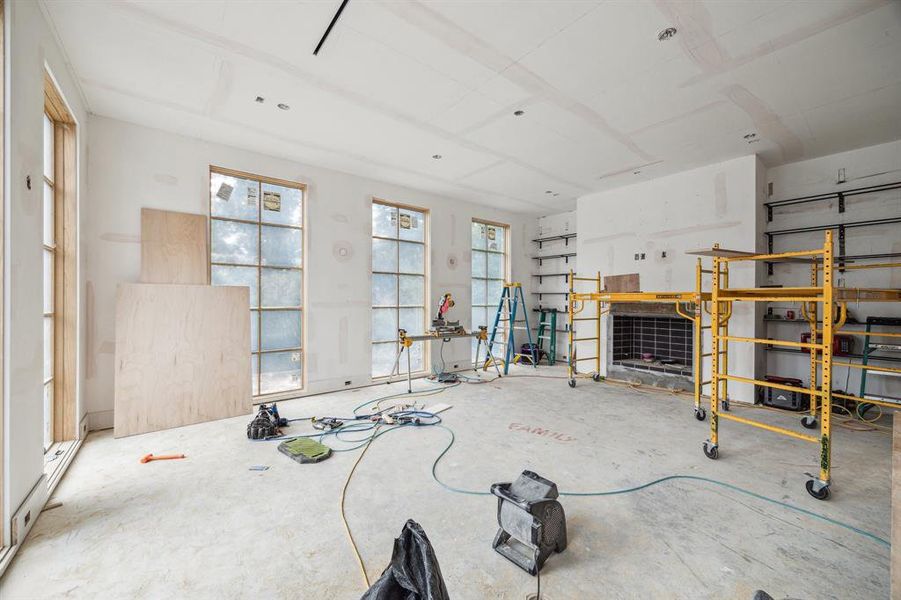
644	486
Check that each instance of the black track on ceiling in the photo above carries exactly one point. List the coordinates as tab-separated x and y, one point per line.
328	29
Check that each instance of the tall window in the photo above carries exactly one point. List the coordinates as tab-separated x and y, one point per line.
59	288
398	282
256	240
489	271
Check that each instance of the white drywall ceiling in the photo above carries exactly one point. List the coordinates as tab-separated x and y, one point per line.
397	82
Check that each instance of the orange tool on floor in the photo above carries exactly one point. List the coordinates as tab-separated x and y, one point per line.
151	457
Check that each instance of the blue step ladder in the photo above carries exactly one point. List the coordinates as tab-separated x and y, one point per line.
512	302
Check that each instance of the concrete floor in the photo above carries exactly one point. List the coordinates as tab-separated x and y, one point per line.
208	527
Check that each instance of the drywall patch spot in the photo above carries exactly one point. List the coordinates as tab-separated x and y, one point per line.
342	251
452	261
165	179
720	199
339	218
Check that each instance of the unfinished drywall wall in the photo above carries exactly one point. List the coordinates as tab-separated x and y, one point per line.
661	220
31	48
861	168
133	167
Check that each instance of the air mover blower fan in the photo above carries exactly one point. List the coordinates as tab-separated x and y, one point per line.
531	520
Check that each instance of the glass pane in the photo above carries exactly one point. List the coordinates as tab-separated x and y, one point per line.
412	290
234	197
411	258
495	237
495	265
239	276
479	263
384	221
416	363
384	290
48	415
48	147
280	329
282	205
280	372
384	255
48	281
478	236
282	287
384	324
254	331
234	242
478	317
383	356
282	247
49	233
255	372
411	319
48	347
495	289
479	292
411	225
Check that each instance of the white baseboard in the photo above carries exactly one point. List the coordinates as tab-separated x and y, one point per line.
102	419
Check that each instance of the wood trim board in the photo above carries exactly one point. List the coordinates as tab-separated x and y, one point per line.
182	355
622	283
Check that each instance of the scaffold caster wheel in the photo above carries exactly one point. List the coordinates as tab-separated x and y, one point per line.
572	383
710	451
700	414
596	377
809	422
725	405
817	490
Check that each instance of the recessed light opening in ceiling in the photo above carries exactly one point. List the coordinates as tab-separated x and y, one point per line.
519	113
284	106
436	156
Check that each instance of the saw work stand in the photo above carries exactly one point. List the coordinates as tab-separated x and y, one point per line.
407	340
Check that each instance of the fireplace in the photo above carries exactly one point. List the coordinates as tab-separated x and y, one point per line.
657	344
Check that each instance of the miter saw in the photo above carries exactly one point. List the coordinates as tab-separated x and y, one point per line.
440	325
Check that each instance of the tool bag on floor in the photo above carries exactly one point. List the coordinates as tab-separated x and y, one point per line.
413	573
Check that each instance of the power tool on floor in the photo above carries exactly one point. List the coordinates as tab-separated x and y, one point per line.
266	424
532	522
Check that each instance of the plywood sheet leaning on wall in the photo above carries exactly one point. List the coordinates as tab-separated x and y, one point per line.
896	506
182	355
622	283
173	247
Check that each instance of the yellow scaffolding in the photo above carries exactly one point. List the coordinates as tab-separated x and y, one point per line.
833	313
692	302
572	360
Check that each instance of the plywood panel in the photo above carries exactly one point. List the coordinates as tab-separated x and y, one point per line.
182	355
896	507
622	283
173	247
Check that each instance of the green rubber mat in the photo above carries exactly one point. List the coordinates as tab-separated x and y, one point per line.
305	450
